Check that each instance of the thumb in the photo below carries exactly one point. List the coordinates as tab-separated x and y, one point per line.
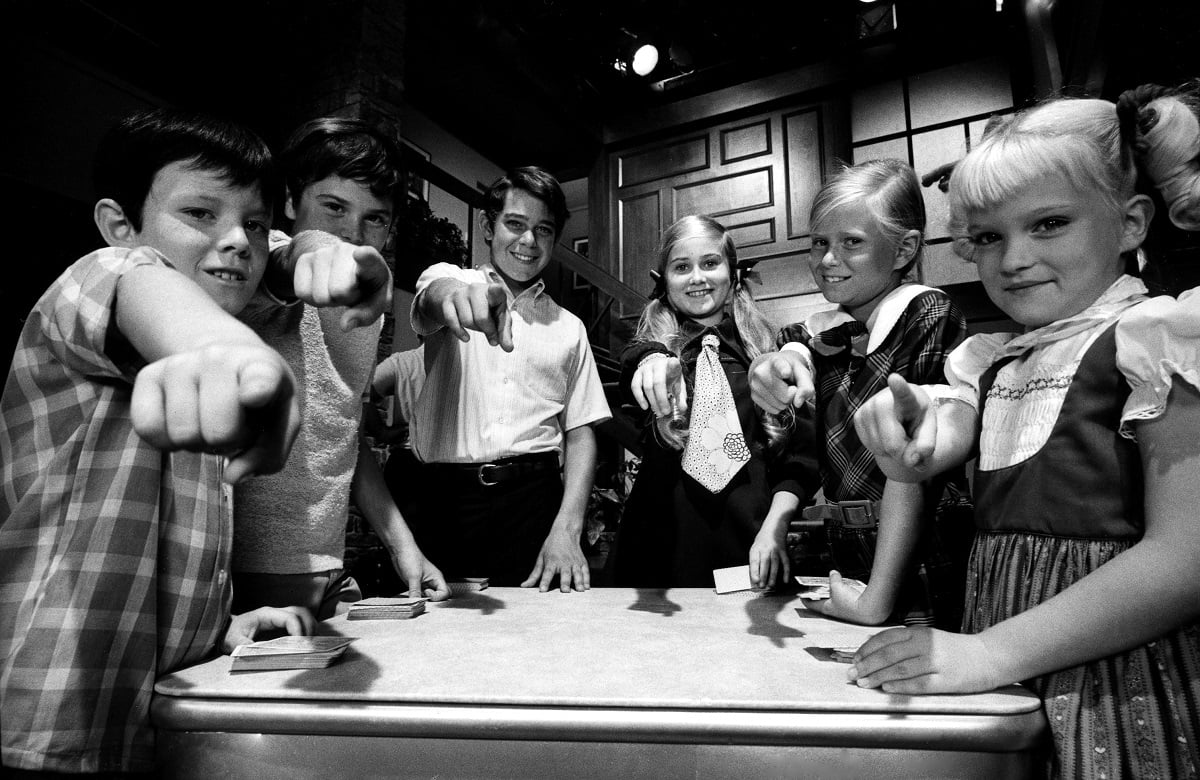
783	370
259	382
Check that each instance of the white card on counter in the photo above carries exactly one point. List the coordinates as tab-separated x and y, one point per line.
733	579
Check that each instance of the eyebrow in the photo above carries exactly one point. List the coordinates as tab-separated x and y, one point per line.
524	218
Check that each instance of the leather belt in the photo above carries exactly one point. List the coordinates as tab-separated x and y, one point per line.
502	470
847	514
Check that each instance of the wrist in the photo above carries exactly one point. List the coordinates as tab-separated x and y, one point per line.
650	358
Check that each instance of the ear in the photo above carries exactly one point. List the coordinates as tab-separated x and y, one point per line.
289	208
485	225
907	249
115	227
1139	211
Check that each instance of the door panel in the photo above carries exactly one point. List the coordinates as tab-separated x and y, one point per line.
756	175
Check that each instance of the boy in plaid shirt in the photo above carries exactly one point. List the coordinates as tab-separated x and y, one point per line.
134	400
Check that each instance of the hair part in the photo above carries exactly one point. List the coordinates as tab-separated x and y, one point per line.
660	322
132	153
348	148
892	194
537	182
1078	139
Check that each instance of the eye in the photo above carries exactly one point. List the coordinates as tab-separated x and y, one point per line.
334	207
377	220
544	231
850	242
256	226
1051	224
681	268
983	238
820	242
712	263
197	213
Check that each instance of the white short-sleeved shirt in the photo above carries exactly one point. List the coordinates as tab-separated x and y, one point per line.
480	403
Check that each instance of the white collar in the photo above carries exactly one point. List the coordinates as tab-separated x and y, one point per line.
881	321
533	291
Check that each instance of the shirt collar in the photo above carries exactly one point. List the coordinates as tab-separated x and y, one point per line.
1125	292
533	291
881	321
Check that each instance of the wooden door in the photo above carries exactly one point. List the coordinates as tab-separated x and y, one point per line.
756	175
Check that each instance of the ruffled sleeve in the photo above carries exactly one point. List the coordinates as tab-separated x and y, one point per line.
966	365
1157	341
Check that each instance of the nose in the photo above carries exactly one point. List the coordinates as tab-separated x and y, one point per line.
236	240
1017	256
352	233
827	257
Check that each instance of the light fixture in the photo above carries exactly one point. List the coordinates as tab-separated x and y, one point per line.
645	59
635	53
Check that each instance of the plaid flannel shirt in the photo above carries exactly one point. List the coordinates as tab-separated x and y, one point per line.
114	554
930	327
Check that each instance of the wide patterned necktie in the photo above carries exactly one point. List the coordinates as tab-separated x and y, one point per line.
716	449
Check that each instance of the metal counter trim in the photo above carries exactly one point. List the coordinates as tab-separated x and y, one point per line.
988	733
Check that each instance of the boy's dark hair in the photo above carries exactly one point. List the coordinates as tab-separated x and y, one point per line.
349	148
139	146
538	183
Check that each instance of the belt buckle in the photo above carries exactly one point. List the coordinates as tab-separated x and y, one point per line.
485	481
857	513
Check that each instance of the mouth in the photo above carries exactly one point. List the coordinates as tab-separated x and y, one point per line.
831	279
228	275
1020	287
699	293
524	258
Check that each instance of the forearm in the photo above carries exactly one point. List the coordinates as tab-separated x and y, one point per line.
579	464
779	515
161	313
899	528
374	500
1135	598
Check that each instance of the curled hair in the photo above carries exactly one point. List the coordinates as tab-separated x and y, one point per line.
1078	139
890	191
537	182
349	148
660	322
133	152
1163	127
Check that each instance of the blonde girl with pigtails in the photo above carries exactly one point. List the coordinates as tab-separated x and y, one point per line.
712	469
1082	579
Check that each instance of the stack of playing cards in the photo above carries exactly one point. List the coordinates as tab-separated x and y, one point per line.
817	588
289	652
468	585
844	655
380	608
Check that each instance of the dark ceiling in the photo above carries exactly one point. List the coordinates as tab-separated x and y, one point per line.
532	80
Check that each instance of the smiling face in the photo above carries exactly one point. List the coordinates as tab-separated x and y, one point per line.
1049	251
521	239
698	279
852	262
212	231
344	207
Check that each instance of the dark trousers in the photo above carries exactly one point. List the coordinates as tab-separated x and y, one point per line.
472	530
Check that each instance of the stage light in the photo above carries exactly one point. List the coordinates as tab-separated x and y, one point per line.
645	59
